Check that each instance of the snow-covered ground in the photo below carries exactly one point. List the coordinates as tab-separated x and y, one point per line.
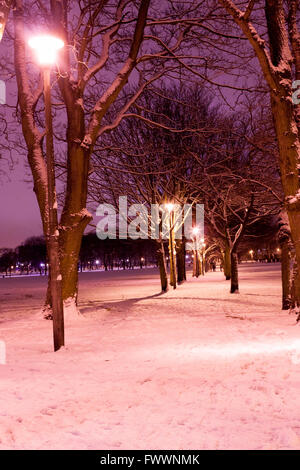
196	368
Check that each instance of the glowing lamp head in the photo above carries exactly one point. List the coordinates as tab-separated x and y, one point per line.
170	207
251	252
46	48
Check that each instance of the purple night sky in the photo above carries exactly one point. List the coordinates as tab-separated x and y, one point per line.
18	207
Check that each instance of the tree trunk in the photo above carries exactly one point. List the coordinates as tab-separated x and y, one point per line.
285	274
181	271
161	261
289	149
295	289
172	254
227	261
196	263
70	247
234	288
75	216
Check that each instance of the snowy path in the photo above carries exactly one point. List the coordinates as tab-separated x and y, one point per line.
144	371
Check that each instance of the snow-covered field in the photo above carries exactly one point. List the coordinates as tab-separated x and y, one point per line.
196	368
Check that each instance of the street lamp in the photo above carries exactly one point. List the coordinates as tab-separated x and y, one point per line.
46	48
170	209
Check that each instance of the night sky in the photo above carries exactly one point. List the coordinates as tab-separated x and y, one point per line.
20	217
18	207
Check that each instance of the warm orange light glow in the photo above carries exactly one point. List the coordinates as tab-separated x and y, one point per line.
46	48
170	206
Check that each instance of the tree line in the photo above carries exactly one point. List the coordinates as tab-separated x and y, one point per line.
120	62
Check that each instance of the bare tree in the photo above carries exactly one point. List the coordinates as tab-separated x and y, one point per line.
235	179
279	59
145	158
105	44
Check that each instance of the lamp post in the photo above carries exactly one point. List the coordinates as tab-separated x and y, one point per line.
46	48
170	208
203	256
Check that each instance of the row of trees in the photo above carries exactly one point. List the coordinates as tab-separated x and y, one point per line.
203	158
114	52
31	256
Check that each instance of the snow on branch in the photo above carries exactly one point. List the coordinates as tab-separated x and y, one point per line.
120	80
254	38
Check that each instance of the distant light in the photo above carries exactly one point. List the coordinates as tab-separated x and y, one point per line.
169	206
42	265
46	48
97	261
195	230
202	240
251	252
142	259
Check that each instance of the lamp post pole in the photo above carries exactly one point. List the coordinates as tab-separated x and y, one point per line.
52	235
195	259
203	258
